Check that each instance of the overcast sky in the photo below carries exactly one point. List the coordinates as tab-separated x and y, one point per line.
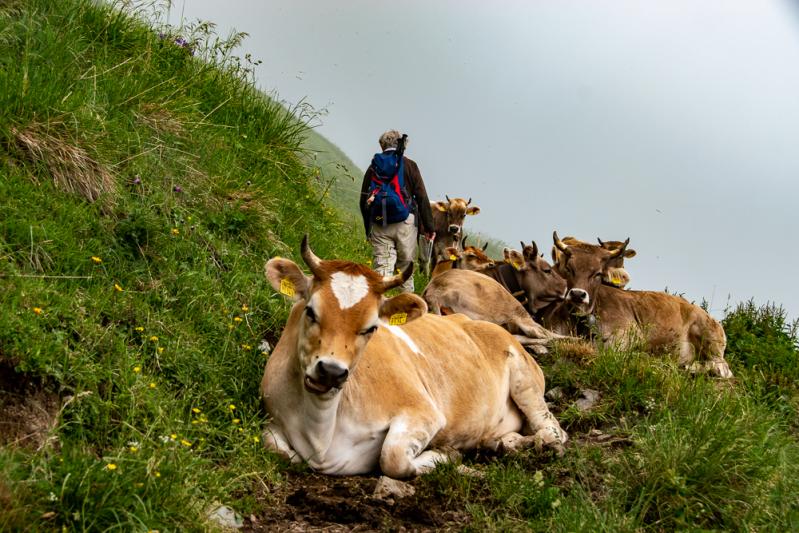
672	122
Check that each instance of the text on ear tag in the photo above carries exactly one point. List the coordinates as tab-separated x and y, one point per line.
398	319
287	287
517	266
453	258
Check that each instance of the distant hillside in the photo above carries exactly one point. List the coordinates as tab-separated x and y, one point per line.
337	173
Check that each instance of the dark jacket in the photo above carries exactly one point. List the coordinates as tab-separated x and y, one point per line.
414	186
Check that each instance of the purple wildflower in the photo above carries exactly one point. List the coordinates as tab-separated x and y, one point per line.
137	180
177	188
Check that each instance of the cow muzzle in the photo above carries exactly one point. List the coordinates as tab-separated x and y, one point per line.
454	229
578	296
324	376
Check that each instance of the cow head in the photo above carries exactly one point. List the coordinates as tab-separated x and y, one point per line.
542	284
455	211
584	266
615	275
341	305
474	258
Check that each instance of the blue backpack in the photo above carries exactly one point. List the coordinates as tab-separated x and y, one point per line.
388	202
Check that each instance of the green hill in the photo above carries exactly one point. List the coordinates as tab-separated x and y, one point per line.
144	182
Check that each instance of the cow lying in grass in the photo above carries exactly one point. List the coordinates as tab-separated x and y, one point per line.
662	321
480	296
359	382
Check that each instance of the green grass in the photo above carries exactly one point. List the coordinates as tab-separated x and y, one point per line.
182	180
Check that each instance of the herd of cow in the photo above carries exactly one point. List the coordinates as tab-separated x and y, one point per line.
360	382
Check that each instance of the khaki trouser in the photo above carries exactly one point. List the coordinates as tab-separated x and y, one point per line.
394	248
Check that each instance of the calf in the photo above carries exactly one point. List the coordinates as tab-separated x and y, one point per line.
359	382
665	322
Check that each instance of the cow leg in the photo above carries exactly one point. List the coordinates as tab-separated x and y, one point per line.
275	441
529	398
537	346
404	455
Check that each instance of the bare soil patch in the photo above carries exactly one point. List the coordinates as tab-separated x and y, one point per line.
313	502
28	409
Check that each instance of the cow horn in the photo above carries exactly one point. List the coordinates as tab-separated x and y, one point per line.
602	244
470	201
448	200
463	241
559	244
535	249
485	246
620	251
389	282
313	262
522	243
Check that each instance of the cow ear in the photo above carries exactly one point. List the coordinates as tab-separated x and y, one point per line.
441	206
629	253
506	255
451	253
472	210
287	278
517	260
402	308
555	255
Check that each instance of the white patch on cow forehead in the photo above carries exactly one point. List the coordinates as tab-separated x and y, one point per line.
349	290
404	337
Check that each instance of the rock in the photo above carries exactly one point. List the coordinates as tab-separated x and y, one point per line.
555	394
388	488
225	517
588	398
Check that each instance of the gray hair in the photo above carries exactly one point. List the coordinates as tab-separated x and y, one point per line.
390	139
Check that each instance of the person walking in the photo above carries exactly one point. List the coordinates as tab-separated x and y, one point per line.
393	201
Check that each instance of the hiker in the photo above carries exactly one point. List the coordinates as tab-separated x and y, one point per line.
393	200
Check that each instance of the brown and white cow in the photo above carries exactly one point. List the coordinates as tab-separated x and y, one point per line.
616	275
359	382
467	258
665	322
481	297
448	218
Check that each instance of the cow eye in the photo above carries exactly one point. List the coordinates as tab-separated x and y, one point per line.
598	275
309	312
547	271
369	331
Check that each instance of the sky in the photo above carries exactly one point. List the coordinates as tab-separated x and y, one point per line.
672	122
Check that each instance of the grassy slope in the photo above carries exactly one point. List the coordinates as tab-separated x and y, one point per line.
160	379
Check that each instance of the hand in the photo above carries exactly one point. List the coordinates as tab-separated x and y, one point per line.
430	236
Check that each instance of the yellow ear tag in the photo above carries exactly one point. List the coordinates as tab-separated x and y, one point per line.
615	279
453	258
287	287
517	266
398	319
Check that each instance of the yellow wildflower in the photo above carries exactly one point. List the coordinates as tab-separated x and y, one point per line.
153	339
236	319
186	443
136	369
175	231
96	260
160	349
246	347
152	385
133	449
139	329
37	310
188	218
111	466
118	287
245	308
256	439
196	410
230	326
236	420
157	474
232	407
138	485
173	436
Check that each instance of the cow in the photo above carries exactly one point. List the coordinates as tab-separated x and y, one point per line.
360	382
448	220
467	258
616	275
663	321
481	297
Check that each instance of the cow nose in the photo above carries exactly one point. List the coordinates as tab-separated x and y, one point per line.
454	229
578	296
331	373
